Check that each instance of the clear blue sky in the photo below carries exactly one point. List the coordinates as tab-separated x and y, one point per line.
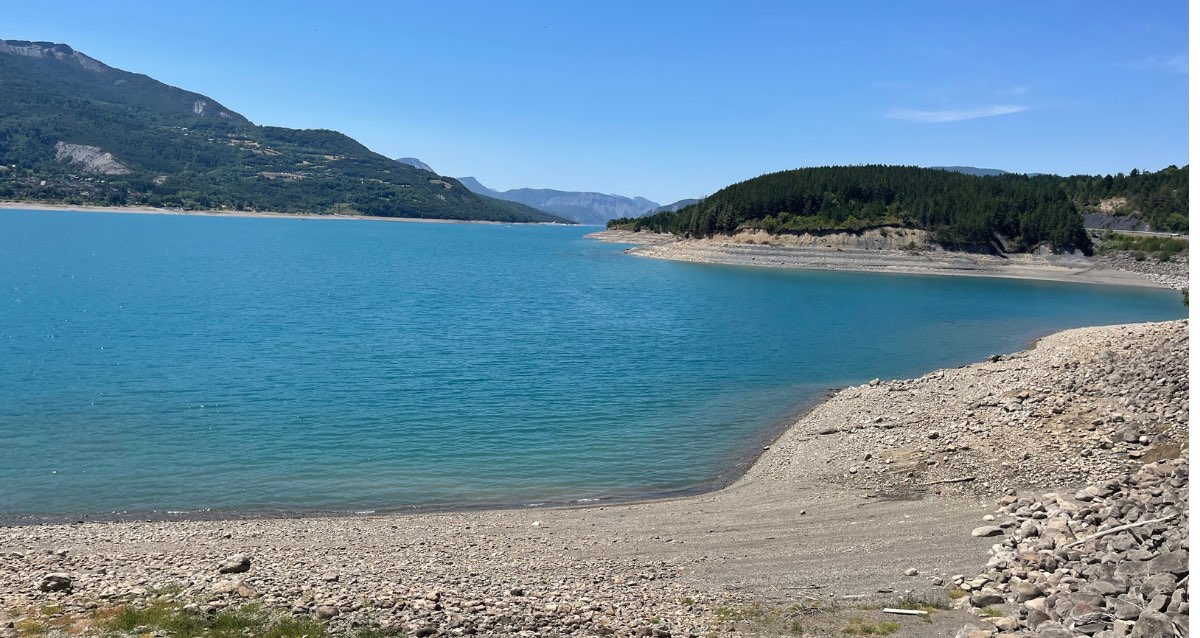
672	100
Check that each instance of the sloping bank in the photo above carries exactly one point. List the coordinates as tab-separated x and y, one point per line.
904	251
874	493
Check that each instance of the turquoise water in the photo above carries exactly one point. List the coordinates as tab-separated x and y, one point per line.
179	363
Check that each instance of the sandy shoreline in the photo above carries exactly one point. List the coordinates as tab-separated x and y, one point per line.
844	503
146	210
1065	268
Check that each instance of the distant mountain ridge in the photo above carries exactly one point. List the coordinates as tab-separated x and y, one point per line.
583	207
416	163
672	207
74	130
972	170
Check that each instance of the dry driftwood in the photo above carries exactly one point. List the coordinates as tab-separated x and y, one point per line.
905	612
1120	528
961	479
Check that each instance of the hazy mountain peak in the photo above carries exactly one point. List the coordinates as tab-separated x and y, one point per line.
583	207
416	163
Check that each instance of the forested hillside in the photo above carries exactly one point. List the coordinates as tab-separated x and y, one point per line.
1159	198
961	210
74	130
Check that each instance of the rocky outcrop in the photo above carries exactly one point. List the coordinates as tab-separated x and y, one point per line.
91	160
52	50
1112	221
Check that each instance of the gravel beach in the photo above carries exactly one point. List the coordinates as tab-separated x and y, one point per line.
879	492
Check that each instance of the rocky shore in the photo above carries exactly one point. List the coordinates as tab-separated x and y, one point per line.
899	251
883	494
1172	273
1110	560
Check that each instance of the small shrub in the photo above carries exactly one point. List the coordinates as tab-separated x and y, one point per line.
920	603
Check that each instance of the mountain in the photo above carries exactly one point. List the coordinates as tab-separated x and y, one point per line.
585	208
74	130
971	170
476	187
416	163
670	208
959	210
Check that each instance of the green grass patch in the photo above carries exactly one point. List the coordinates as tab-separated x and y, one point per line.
954	592
859	627
241	622
921	603
991	612
1164	248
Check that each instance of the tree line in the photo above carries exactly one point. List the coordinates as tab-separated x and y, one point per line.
960	210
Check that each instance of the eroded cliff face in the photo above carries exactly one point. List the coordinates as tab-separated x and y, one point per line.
92	160
874	239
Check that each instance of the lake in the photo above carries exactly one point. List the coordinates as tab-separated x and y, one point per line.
181	363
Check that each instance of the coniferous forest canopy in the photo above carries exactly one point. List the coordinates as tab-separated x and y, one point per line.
959	209
178	149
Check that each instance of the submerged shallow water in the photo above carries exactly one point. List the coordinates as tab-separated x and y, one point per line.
155	362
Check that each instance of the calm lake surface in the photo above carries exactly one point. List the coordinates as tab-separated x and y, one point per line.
166	363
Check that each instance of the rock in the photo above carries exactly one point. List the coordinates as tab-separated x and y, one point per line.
57	581
1036	617
325	612
1052	629
971	631
987	598
236	564
986	531
246	591
911	571
1125	610
1175	563
225	586
1025	591
1152	624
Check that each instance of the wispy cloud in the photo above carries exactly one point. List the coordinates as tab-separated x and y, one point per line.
954	115
1172	63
